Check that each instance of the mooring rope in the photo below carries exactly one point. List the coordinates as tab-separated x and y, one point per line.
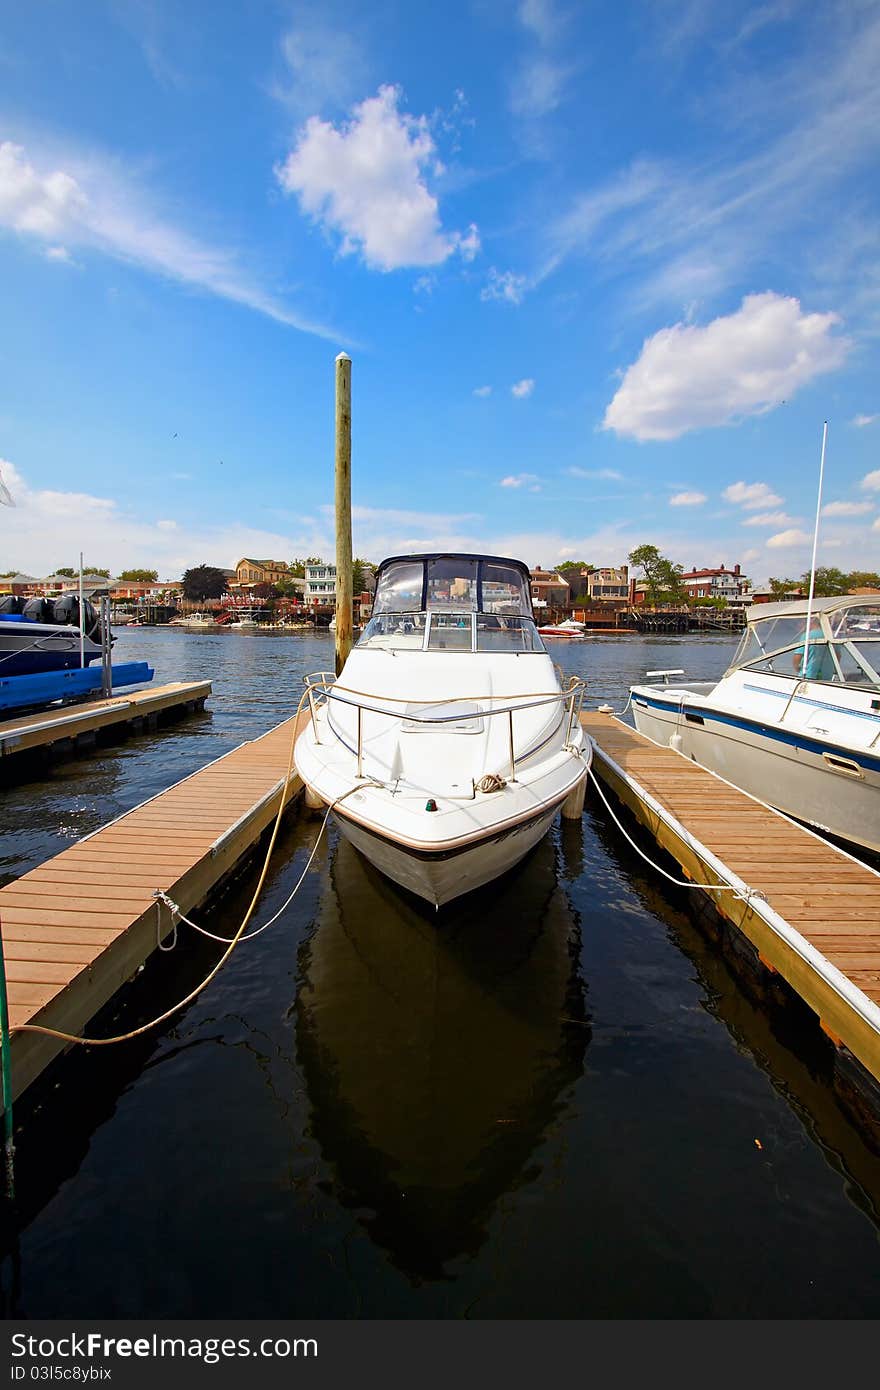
233	941
679	882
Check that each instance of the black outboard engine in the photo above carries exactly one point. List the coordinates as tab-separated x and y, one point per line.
66	610
11	603
39	610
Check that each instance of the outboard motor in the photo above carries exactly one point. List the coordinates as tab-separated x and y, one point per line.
39	610
66	610
11	603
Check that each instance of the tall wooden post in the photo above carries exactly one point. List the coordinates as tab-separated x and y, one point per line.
343	510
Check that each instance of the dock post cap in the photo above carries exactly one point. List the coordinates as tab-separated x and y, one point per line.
342	357
604	709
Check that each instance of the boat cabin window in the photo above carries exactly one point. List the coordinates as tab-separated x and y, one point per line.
452	603
400	588
452	584
852	657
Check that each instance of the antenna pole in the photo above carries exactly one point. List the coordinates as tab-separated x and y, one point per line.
815	546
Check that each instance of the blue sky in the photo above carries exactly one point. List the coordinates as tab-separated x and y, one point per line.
603	271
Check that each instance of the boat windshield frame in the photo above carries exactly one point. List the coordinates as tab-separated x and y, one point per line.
448	601
838	653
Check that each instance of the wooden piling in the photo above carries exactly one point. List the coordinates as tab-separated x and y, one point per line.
344	616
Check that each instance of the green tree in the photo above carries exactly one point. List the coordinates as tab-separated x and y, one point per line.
70	573
780	587
568	565
203	581
357	577
139	576
662	577
863	579
829	581
286	588
298	567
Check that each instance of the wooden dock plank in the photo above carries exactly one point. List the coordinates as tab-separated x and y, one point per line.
830	899
77	927
71	721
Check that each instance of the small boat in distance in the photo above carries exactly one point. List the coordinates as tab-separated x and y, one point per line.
795	719
446	745
570	627
245	620
195	622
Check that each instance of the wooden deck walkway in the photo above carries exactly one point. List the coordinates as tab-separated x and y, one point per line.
74	721
821	919
77	928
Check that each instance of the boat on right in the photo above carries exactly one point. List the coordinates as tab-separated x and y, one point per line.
794	720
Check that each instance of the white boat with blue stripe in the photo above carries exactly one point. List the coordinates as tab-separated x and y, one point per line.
795	720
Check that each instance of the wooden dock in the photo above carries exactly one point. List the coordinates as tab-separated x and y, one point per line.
76	724
79	926
817	919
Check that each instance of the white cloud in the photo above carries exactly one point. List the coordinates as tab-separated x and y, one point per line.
871	481
751	495
750	556
788	540
689	378
96	207
876	525
167	525
861	421
769	519
366	181
482	390
522	389
504	286
602	474
469	244
847	508
529	480
688	499
60	254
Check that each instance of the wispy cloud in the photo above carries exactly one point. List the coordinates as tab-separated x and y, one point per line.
689	230
91	204
746	363
847	508
522	389
600	474
769	519
861	421
366	181
482	391
542	76
526	480
504	286
688	499
871	481
325	64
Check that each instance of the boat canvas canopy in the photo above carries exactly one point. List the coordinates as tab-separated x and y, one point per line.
453	583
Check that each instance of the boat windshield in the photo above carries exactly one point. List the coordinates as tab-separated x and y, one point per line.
843	648
452	603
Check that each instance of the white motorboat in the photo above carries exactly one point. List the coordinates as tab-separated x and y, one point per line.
795	720
447	745
245	620
195	622
569	627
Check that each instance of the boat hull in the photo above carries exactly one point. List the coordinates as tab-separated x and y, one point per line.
30	649
441	875
833	788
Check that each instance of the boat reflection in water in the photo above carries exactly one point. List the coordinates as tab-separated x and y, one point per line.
439	1055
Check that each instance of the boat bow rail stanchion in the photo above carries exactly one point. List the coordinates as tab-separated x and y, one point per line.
325	686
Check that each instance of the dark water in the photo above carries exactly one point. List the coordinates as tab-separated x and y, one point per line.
544	1105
